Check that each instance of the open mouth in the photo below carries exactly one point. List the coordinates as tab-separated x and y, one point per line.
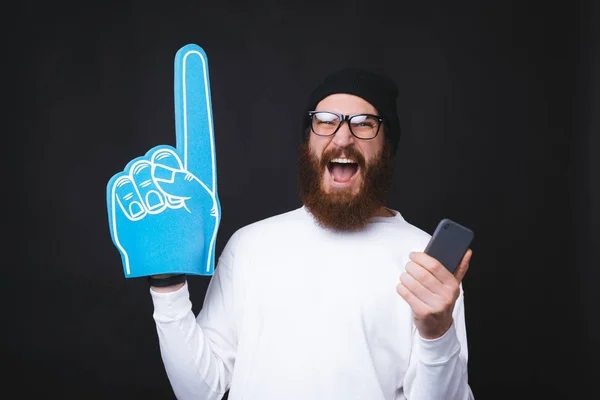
342	169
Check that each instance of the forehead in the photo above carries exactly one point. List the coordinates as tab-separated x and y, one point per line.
345	104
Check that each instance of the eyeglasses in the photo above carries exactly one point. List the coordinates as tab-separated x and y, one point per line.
362	126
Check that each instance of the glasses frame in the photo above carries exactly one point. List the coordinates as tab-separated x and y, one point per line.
346	118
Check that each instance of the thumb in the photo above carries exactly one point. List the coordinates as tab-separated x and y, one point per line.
171	177
464	266
177	183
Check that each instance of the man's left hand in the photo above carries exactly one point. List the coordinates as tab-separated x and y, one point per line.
431	292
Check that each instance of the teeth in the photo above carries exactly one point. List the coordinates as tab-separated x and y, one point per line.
343	161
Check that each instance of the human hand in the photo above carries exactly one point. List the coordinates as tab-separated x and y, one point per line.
431	292
163	208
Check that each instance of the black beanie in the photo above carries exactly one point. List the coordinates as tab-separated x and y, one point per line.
380	91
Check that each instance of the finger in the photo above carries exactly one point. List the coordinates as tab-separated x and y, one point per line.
417	288
166	157
193	115
424	277
124	205
165	164
416	305
432	265
150	195
126	197
464	265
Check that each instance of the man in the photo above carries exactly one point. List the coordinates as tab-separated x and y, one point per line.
334	300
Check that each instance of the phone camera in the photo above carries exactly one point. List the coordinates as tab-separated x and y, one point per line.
446	226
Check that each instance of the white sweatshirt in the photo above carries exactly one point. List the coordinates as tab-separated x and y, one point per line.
294	311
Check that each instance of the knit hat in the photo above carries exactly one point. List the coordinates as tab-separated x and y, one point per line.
380	91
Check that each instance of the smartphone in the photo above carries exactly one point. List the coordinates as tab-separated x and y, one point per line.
449	243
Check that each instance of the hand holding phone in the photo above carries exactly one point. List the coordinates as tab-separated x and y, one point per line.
449	243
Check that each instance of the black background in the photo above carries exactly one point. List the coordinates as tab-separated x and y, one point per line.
499	107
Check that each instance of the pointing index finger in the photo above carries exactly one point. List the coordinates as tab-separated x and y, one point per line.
193	114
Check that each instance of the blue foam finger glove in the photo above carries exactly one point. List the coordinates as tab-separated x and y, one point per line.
163	208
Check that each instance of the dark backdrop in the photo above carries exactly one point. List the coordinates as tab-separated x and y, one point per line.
498	106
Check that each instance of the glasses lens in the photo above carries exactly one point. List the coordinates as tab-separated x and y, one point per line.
364	126
325	123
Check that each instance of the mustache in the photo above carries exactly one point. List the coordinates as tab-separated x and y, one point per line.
349	152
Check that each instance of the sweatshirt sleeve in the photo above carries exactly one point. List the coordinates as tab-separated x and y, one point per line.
438	367
198	353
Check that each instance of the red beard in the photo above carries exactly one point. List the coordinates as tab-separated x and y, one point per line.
344	210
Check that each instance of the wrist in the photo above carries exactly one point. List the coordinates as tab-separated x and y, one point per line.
435	333
166	282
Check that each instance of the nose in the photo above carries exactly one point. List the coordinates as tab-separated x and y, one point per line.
343	137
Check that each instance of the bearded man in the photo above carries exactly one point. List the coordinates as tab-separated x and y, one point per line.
333	300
